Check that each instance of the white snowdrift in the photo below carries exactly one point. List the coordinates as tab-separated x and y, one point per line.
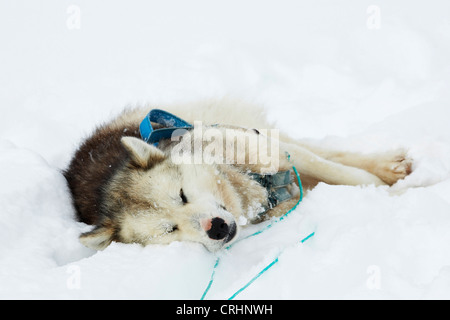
321	73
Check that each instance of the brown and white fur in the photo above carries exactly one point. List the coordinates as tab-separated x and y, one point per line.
133	192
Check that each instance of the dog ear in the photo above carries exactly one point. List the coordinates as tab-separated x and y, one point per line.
143	155
97	239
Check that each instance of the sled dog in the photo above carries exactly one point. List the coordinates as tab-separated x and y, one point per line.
203	184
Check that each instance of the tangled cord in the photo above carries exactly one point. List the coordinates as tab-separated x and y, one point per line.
274	261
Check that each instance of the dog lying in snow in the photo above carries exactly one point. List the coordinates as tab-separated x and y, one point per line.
134	192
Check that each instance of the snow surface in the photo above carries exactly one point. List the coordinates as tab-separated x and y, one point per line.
322	71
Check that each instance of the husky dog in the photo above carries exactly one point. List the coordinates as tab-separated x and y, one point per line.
134	192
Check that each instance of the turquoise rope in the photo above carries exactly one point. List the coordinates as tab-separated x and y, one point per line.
254	278
307	238
254	234
211	280
270	265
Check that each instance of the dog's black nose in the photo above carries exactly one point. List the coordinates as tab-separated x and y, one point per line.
219	229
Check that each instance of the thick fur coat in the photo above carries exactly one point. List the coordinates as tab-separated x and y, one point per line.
134	192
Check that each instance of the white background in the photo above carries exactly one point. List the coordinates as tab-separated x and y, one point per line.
334	71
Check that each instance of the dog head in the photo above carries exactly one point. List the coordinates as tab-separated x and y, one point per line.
152	200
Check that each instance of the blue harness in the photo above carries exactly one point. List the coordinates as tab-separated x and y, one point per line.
169	122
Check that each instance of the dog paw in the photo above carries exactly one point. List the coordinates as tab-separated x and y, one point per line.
393	166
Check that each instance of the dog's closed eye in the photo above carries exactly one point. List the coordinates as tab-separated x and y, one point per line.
183	197
168	227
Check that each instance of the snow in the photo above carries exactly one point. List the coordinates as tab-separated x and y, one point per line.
323	72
